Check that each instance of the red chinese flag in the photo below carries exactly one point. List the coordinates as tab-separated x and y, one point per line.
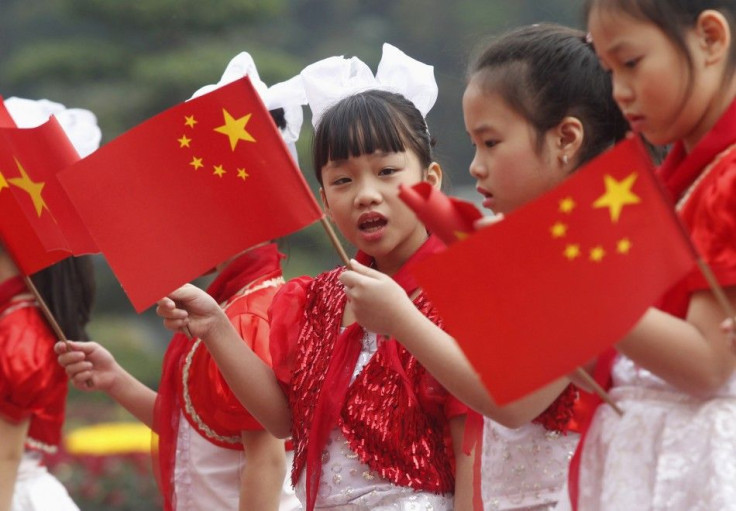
563	278
188	189
6	121
39	225
449	218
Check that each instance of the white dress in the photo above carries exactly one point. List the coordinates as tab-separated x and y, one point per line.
347	484
37	490
207	477
669	451
524	468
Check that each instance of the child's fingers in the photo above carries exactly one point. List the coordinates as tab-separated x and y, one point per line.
364	270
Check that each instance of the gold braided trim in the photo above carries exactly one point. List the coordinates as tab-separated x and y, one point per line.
713	164
188	406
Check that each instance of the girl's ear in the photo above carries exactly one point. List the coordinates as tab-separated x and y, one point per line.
434	175
325	205
714	35
568	136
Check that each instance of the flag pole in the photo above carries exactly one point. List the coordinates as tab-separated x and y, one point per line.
45	309
600	391
335	241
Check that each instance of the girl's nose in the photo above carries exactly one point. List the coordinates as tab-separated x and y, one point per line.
622	92
367	194
477	169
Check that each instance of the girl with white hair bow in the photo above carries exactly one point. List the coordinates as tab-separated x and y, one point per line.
212	454
33	388
372	429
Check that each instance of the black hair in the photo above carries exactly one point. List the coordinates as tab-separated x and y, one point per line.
547	72
373	120
673	17
68	288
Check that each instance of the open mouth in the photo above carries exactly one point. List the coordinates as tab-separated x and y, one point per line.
371	222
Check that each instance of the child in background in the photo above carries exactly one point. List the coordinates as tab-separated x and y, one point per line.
672	68
537	106
211	453
33	387
372	429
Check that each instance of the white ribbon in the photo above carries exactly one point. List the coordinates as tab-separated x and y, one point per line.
288	95
79	125
328	81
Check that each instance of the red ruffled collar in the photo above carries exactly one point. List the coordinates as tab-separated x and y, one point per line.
680	169
245	269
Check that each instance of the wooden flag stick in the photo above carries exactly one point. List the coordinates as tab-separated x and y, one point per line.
583	375
335	241
45	309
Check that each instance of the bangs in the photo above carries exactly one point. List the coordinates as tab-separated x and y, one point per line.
360	125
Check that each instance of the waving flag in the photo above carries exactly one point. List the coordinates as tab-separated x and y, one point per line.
188	189
38	224
563	278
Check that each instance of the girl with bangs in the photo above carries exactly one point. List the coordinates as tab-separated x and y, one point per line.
372	430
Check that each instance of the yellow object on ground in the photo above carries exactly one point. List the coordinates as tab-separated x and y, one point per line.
109	438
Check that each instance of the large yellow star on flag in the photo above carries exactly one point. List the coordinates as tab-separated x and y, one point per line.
3	182
618	194
31	188
235	129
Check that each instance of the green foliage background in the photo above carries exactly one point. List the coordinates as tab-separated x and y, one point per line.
128	60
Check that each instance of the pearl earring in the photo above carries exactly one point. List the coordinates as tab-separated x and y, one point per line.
564	159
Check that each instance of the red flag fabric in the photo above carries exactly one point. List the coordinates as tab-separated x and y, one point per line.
556	282
449	218
189	188
38	224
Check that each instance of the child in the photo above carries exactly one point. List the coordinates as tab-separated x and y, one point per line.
672	69
372	430
536	107
212	453
33	388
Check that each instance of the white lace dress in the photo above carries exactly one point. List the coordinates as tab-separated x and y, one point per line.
524	468
669	451
347	484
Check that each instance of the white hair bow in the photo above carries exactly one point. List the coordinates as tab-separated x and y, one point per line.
328	81
79	125
288	95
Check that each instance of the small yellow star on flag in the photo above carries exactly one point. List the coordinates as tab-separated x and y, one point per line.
33	189
623	246
597	254
3	182
235	129
558	230
196	163
190	121
242	174
219	171
618	194
572	252
184	141
567	205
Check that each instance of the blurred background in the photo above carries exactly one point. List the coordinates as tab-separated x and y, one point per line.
129	60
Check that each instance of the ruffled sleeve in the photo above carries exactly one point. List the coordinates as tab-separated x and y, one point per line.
286	316
710	214
32	384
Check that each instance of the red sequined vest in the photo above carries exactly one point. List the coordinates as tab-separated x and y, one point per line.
393	416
